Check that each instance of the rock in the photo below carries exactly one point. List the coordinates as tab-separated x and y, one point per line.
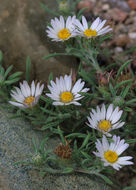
22	31
121	40
85	4
119	4
105	7
118	50
132	35
118	14
132	4
16	144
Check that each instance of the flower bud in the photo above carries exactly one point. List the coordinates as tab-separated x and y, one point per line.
118	101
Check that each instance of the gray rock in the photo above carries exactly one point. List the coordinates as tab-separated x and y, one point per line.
16	144
22	31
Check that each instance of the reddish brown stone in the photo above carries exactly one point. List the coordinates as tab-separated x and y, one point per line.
132	4
85	4
118	15
121	40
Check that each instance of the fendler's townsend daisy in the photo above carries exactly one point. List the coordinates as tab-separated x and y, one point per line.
26	96
105	120
95	29
63	93
109	153
61	30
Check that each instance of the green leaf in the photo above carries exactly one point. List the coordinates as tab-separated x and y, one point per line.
129	188
81	12
48	111
35	144
131	101
85	141
123	83
112	90
8	71
131	141
61	135
54	55
106	179
1	56
67	170
17	74
9	82
42	146
50	77
79	135
125	91
84	75
49	10
50	125
28	67
122	68
86	155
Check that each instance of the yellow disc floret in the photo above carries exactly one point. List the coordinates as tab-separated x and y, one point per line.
64	34
66	97
29	100
111	156
89	32
104	125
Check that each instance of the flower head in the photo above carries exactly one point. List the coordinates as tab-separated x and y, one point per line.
105	120
63	93
110	152
94	30
61	31
26	96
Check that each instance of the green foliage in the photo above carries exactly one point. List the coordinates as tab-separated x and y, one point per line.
68	123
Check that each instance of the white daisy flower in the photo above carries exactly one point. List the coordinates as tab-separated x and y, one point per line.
61	31
26	96
105	120
95	29
110	152
63	93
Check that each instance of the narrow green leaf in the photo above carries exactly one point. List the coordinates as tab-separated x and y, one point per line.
54	55
49	10
122	68
123	83
125	91
131	141
50	77
8	71
61	135
67	170
129	188
50	125
86	155
28	67
79	135
1	56
113	92
85	141
8	82
131	101
106	179
17	74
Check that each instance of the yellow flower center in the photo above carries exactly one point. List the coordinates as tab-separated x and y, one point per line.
89	32
111	156
64	34
66	97
29	100
104	125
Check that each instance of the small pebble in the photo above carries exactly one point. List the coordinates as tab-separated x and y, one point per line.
118	49
105	7
132	35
